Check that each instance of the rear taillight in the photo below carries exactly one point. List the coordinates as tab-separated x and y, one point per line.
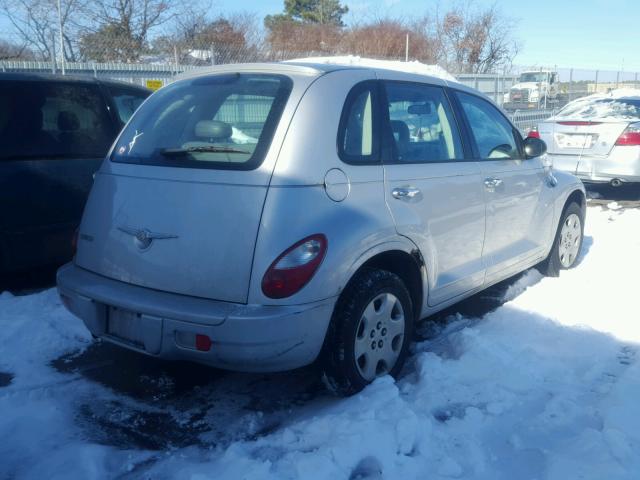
74	242
533	133
293	269
631	136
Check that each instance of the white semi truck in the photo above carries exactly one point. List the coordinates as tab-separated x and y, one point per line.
535	89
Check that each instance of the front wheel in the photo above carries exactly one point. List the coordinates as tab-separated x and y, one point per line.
567	244
370	332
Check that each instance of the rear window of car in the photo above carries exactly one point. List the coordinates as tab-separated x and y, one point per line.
602	108
53	120
223	121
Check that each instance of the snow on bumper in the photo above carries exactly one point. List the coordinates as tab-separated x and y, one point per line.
244	337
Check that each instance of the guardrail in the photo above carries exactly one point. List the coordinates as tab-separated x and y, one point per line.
125	72
526	119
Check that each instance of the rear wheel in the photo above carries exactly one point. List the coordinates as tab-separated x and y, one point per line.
370	332
567	244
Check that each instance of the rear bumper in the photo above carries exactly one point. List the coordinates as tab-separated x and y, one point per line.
244	337
622	163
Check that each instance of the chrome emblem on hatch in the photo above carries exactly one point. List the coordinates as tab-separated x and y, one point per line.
143	238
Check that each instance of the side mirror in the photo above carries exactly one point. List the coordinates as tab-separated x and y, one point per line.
534	147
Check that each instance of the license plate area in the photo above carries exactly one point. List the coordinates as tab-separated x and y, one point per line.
574	140
143	332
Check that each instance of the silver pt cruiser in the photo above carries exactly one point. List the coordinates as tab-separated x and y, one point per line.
260	217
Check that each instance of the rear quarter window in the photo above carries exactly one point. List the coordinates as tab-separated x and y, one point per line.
223	121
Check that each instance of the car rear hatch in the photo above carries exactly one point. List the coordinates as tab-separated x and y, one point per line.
178	207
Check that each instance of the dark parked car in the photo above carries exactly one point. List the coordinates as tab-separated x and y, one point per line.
54	133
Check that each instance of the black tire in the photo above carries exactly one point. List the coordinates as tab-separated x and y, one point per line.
339	370
552	265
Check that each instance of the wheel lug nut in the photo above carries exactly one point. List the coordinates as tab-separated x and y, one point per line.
379	325
380	343
373	345
384	332
373	333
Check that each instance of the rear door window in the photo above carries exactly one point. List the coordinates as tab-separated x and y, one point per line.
494	136
127	101
53	120
422	124
223	121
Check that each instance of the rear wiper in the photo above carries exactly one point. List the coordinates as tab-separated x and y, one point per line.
201	149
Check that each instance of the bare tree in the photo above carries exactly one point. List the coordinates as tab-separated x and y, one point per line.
475	41
387	37
36	22
288	39
197	39
121	28
12	51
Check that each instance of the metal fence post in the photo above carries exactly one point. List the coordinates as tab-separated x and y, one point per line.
596	88
570	84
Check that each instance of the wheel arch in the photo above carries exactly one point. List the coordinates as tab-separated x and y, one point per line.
402	259
578	197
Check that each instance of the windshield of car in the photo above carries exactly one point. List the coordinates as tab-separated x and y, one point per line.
534	77
221	121
602	108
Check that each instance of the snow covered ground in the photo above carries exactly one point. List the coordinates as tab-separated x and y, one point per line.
546	386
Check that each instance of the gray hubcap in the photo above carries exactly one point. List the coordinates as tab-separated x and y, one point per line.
379	336
570	237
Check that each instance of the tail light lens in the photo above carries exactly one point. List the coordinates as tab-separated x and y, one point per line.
631	136
293	269
533	133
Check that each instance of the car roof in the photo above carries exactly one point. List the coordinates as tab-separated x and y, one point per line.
308	69
54	77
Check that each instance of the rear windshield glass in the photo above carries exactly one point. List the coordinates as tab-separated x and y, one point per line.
602	108
53	120
219	121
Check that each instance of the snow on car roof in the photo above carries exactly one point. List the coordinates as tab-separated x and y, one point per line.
620	104
356	61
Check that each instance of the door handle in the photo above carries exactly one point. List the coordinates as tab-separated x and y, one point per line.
405	193
491	183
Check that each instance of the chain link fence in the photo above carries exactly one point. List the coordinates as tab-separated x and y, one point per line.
529	95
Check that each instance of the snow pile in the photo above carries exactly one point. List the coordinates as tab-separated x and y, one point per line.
545	386
408	67
620	104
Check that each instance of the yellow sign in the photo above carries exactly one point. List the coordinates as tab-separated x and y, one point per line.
154	84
